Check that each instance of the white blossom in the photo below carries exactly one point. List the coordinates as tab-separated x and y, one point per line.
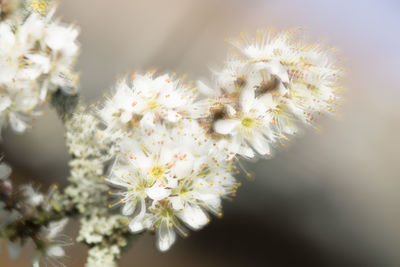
146	100
37	55
250	124
273	84
96	229
53	244
170	175
31	196
5	171
103	256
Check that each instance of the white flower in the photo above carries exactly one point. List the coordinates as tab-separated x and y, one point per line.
147	99
31	196
5	171
6	186
168	176
62	39
53	243
37	55
250	124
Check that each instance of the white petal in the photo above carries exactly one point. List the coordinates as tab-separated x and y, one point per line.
42	61
60	38
7	37
173	116
147	120
298	112
212	200
5	102
225	126
126	116
260	144
32	29
44	90
204	89
166	236
246	152
56	227
124	95
247	99
26	101
158	191
55	251
176	202
228	146
166	154
35	200
279	70
193	216
230	110
183	168
5	171
17	124
267	100
32	197
172	182
128	208
136	226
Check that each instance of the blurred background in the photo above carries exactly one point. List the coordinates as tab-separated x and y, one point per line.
331	198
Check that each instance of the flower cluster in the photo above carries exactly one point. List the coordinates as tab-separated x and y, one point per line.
106	236
176	145
170	175
148	99
170	170
270	85
37	55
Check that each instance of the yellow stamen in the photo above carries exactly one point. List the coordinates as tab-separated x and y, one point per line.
157	172
39	5
248	122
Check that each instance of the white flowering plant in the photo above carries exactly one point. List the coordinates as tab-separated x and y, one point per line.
162	149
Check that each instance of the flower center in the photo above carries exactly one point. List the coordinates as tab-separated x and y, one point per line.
39	5
247	122
152	104
157	172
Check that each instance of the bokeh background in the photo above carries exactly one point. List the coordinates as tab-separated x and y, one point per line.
331	198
